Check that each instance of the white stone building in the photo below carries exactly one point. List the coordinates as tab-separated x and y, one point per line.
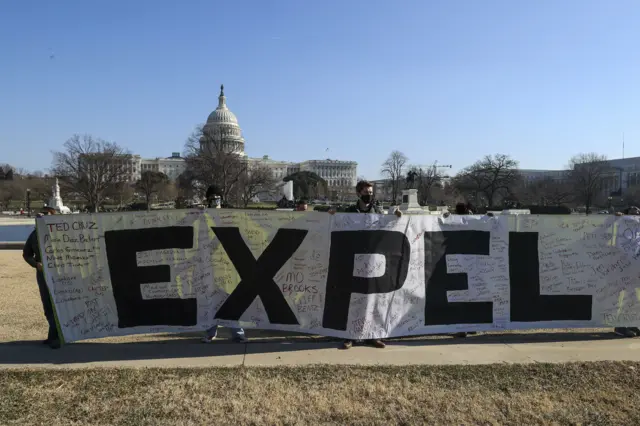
530	176
135	165
171	166
222	126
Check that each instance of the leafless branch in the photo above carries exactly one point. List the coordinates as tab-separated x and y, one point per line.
492	177
256	180
151	182
586	173
90	167
213	160
393	168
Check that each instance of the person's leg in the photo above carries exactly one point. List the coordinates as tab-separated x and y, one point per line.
211	334
346	344
624	332
237	334
47	306
376	343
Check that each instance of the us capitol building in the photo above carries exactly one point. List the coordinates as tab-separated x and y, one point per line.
222	127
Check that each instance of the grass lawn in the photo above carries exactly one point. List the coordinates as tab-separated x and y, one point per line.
596	393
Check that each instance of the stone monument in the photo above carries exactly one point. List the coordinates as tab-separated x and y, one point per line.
56	201
410	203
287	190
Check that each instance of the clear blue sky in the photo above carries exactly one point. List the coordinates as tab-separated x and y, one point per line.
438	80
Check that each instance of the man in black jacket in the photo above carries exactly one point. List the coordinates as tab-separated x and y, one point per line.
31	254
365	204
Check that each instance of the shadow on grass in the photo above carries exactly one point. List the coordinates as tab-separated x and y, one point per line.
188	345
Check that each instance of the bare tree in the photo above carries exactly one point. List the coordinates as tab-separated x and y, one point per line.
393	168
586	173
167	192
424	179
40	188
4	169
492	177
187	186
258	179
123	193
213	160
150	183
11	190
90	167
22	172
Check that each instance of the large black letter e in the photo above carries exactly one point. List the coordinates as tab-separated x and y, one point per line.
437	308
127	276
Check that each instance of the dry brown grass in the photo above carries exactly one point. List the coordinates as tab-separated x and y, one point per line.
597	393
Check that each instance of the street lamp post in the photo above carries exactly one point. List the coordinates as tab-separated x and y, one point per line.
29	202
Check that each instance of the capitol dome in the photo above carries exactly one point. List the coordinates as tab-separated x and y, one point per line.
222	114
222	126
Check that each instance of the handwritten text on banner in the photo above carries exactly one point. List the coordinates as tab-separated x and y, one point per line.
347	275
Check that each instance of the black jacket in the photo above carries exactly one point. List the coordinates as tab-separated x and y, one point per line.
31	251
372	208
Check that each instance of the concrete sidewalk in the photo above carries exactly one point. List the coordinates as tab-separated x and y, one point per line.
190	353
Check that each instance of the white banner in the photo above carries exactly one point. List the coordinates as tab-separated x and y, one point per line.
348	275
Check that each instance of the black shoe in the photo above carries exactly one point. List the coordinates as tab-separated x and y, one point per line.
624	332
54	344
376	343
347	344
636	330
461	334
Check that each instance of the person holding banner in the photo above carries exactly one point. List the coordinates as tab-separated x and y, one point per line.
31	255
214	200
365	204
301	205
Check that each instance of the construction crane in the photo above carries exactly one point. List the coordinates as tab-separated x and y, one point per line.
435	168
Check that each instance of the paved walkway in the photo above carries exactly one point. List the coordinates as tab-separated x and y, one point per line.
192	353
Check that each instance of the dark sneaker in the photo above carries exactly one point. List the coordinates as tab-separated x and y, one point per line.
376	343
461	334
240	338
54	344
624	332
347	344
636	330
